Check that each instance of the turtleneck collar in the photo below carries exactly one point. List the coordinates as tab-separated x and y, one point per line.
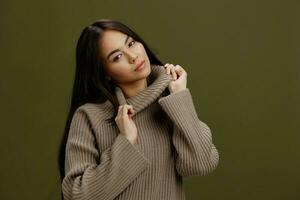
158	81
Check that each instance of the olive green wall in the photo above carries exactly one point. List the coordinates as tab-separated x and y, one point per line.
242	59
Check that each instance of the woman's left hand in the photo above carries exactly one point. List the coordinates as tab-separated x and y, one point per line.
179	77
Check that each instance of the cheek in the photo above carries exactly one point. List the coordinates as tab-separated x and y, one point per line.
141	48
121	72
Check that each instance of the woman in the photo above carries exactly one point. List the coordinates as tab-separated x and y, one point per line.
132	130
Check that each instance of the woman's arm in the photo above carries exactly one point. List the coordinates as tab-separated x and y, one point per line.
91	175
196	154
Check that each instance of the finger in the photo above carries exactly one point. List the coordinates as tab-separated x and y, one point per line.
124	111
181	71
174	75
131	112
119	108
167	67
170	67
128	110
178	70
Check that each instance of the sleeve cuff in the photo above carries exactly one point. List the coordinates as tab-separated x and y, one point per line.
132	160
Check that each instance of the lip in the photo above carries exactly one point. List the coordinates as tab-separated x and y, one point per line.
138	66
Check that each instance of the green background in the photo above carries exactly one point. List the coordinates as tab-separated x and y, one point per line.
243	65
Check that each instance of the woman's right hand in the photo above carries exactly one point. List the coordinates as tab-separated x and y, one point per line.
125	123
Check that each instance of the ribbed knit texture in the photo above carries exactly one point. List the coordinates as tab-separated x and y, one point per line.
172	142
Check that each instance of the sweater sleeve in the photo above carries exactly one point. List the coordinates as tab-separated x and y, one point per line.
195	154
91	175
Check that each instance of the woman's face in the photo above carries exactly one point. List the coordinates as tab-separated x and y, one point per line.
120	55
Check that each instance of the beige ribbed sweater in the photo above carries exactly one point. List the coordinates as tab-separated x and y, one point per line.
172	142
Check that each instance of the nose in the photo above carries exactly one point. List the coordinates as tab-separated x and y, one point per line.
132	56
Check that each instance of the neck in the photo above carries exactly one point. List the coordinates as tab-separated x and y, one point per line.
131	89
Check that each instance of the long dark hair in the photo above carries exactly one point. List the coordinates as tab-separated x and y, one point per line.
90	84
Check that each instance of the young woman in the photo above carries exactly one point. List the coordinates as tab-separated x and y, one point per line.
132	130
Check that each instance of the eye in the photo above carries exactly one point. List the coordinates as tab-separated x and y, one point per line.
116	58
132	42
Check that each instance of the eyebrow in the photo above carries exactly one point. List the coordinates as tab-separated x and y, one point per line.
112	52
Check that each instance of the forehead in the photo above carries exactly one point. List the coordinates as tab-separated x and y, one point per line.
112	39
